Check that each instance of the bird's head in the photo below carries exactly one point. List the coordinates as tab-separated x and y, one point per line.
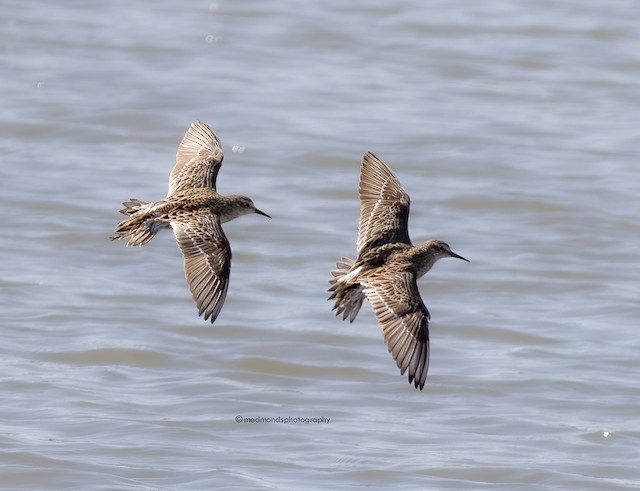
242	205
439	249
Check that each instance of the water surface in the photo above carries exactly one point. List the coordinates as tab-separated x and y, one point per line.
514	128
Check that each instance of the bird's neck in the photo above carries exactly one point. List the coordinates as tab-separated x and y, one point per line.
425	259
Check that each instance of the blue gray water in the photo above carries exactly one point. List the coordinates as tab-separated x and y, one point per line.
514	126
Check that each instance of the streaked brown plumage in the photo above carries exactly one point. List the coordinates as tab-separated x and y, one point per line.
387	268
195	211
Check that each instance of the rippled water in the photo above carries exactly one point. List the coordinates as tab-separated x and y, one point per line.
512	125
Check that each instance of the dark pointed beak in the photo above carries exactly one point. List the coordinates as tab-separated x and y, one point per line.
262	213
453	254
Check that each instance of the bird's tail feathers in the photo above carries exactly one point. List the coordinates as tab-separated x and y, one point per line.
141	226
349	296
134	205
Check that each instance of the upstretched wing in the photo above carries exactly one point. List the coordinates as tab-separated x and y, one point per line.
198	160
207	261
404	320
384	205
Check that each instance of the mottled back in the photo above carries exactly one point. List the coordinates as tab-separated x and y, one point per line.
384	206
198	160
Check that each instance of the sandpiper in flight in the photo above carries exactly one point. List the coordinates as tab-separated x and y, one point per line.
195	211
387	268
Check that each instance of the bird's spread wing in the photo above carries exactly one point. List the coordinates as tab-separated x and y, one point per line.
207	261
198	160
384	205
404	320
